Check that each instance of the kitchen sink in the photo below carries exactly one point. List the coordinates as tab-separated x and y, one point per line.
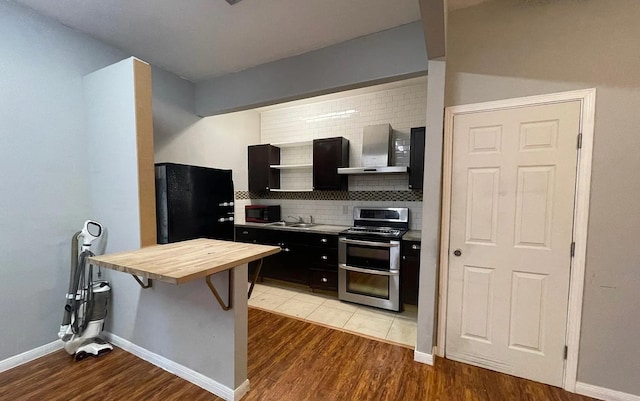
278	224
302	225
291	224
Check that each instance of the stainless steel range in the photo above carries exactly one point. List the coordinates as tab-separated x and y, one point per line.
369	257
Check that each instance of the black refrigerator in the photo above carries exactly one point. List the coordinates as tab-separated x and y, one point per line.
193	202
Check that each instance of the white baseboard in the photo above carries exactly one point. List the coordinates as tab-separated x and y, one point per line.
179	370
603	393
29	356
423	357
241	390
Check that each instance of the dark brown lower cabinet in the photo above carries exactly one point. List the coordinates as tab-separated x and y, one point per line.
410	272
305	258
323	279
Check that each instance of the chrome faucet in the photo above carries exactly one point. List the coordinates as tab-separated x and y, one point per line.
299	219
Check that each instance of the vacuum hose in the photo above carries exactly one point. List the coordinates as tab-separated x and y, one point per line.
82	307
80	297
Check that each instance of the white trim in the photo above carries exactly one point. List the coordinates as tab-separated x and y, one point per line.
29	356
580	225
447	165
587	97
241	390
423	357
179	370
603	393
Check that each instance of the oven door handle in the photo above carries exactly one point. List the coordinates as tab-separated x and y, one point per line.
370	243
370	271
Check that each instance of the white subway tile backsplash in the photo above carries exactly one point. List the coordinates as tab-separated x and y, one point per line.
331	211
403	107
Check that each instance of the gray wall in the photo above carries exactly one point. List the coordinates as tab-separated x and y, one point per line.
180	136
509	48
182	323
174	104
384	56
49	188
45	189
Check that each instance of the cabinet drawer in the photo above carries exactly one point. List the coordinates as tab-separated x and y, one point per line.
411	248
323	279
326	259
316	240
244	234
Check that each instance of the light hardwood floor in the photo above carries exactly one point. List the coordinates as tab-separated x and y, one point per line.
289	360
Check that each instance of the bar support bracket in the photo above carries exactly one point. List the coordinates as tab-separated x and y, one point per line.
143	285
255	277
218	297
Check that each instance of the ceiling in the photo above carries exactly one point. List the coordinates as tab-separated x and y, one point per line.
200	39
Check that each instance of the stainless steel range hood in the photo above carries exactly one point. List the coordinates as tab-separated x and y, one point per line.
376	145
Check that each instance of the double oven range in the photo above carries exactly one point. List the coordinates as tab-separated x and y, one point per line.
369	257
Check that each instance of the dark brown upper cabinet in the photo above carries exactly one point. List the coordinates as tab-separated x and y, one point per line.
328	155
416	158
261	176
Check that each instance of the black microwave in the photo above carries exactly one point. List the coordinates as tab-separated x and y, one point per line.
261	213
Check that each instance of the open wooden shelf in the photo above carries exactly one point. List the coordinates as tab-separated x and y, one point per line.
291	166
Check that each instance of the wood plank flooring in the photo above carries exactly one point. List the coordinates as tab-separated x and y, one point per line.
289	360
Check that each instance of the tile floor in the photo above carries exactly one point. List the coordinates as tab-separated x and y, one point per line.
326	309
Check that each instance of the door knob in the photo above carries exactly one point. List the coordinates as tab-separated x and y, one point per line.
457	252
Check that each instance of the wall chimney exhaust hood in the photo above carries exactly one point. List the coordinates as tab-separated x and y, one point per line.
376	145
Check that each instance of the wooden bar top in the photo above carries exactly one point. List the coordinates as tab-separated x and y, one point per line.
181	262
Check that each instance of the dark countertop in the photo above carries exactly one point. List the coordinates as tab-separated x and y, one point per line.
411	235
318	229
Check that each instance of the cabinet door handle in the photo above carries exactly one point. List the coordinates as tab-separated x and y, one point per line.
324	240
286	249
245	233
414	246
324	279
324	257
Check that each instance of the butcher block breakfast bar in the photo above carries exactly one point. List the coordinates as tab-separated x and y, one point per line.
181	262
209	346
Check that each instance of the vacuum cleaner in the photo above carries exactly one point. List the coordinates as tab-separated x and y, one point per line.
87	299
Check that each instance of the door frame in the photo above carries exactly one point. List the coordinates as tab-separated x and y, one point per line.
587	98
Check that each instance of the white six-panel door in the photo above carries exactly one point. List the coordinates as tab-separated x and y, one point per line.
512	203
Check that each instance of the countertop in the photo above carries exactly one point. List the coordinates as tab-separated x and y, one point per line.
181	262
318	229
411	235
